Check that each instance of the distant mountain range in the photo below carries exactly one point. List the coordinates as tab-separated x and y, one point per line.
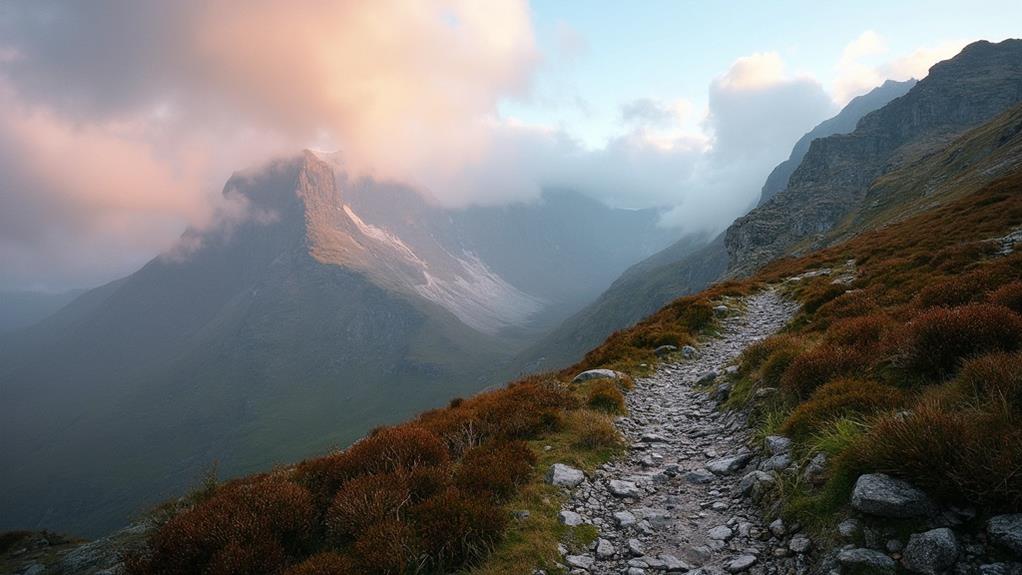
333	306
688	265
20	309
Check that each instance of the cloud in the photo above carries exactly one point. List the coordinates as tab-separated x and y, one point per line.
865	63
123	118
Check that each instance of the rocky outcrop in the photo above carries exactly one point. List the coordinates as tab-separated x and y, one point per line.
842	123
981	82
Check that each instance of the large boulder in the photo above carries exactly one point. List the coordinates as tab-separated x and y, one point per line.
932	552
597	374
1006	531
563	475
884	496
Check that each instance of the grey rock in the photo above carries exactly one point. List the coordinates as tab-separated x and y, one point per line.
604	549
597	374
707	378
1001	569
849	528
884	496
755	483
720	310
621	488
699	476
777	528
778	462
580	561
673	564
741	563
931	552
565	475
815	471
800	544
624	518
569	518
688	352
635	547
665	350
777	444
720	533
866	561
728	465
1006	531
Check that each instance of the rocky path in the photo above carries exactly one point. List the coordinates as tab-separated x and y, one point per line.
674	502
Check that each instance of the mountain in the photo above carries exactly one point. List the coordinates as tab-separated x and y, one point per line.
19	309
842	123
837	172
308	315
687	266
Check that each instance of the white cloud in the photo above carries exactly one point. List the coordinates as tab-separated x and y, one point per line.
866	63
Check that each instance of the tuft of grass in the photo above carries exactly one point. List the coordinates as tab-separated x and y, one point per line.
605	396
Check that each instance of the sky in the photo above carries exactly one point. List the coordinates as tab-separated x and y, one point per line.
120	120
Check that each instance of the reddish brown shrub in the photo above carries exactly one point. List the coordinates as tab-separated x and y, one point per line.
758	353
326	563
1008	295
852	303
243	527
819	365
861	332
952	292
390	449
995	377
604	395
496	469
839	399
939	339
966	456
387	548
365	501
455	528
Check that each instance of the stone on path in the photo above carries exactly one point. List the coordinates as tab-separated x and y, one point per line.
569	518
932	552
777	444
720	533
728	465
885	496
1006	531
866	561
604	549
699	476
564	475
621	488
580	561
741	563
624	518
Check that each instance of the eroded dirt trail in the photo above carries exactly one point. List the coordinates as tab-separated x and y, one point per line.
673	503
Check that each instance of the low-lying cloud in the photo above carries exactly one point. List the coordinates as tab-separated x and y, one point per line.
120	120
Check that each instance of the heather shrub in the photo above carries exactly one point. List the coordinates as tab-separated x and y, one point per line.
995	377
243	528
817	366
852	303
861	332
838	399
1008	295
819	294
604	395
593	429
968	456
326	563
496	469
386	450
758	353
387	548
455	528
939	339
776	363
365	501
952	292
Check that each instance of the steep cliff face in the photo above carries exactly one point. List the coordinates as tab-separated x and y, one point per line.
843	123
981	82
